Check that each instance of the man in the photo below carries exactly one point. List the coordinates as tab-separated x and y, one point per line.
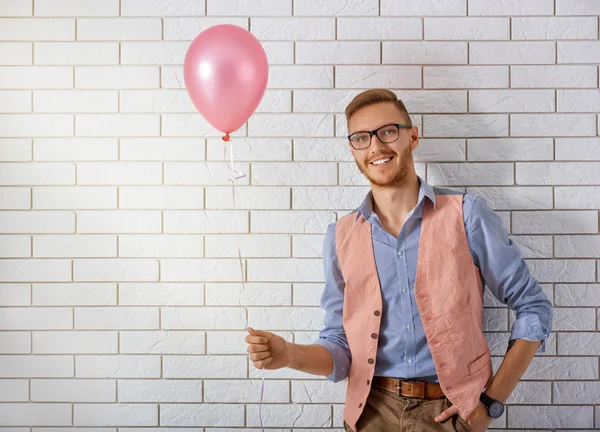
404	286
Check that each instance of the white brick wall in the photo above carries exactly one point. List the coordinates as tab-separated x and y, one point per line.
120	301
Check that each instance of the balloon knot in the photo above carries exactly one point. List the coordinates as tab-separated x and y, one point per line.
226	137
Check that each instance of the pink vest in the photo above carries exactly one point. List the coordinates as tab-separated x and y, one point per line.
449	298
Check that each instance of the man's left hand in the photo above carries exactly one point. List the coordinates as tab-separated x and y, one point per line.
479	420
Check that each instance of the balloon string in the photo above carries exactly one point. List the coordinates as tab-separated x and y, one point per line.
236	175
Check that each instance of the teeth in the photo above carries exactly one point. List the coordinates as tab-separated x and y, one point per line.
381	161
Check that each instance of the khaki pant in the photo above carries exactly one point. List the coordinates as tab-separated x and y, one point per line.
386	412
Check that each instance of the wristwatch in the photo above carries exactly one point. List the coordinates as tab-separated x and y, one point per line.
495	408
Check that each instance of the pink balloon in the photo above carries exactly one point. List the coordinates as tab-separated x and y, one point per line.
226	73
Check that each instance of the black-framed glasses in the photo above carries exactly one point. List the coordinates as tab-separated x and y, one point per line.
386	134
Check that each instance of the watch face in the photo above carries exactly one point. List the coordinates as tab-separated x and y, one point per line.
496	409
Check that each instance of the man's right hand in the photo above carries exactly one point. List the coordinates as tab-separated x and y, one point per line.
267	350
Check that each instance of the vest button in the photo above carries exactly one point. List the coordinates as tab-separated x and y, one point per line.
360	405
374	335
368	382
377	313
371	361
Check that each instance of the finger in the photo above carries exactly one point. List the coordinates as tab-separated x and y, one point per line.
258	332
259	356
256	340
255	348
263	363
447	414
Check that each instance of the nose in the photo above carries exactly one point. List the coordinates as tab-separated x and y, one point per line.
376	144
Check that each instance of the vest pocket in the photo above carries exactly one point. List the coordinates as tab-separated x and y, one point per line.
480	362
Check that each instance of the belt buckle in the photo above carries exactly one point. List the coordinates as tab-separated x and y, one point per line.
419	385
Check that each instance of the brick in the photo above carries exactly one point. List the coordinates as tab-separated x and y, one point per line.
250	149
201	173
418	53
308	416
578	100
251	198
554	28
577	197
15	198
160	246
577	295
465	125
251	294
577	148
282	318
18	342
467	29
153	53
553	125
511	101
246	391
188	125
307	294
119	173
80	246
187	28
212	318
35	30
157	101
285	270
38	366
117	125
77	8
160	391
574	319
80	390
116	318
33	414
122	29
534	246
511	7
162	7
308	246
294	29
337	52
440	150
334	101
576	392
16	54
161	149
110	269
15	295
516	198
300	76
327	198
291	125
488	174
578	246
276	102
36	270
37	174
561	368
116	77
118	366
577	7
578	51
379	28
531	393
206	222
74	294
562	270
79	342
75	53
251	246
382	76
79	101
115	415
120	221
15	150
511	53
14	390
322	150
510	149
162	342
201	415
336	8
161	197
16	8
294	173
533	173
38	77
555	222
279	53
584	343
551	417
15	246
465	77
433	101
161	294
553	76
36	125
67	197
318	392
425	7
293	222
212	367
19	222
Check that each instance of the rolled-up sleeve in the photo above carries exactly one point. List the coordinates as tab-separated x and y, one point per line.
505	272
333	336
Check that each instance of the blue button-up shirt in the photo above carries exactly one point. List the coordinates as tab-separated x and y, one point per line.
403	351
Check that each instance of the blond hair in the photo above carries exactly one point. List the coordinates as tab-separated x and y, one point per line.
373	96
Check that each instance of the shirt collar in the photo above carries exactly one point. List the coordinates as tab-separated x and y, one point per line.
425	190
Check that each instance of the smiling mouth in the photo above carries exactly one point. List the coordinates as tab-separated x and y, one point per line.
382	161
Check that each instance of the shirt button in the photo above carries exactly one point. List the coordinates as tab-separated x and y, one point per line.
371	361
404	290
374	335
400	253
408	327
409	361
377	313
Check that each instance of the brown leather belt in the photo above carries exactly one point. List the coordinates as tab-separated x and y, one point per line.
416	389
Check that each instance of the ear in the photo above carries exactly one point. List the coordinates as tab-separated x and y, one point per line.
414	138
